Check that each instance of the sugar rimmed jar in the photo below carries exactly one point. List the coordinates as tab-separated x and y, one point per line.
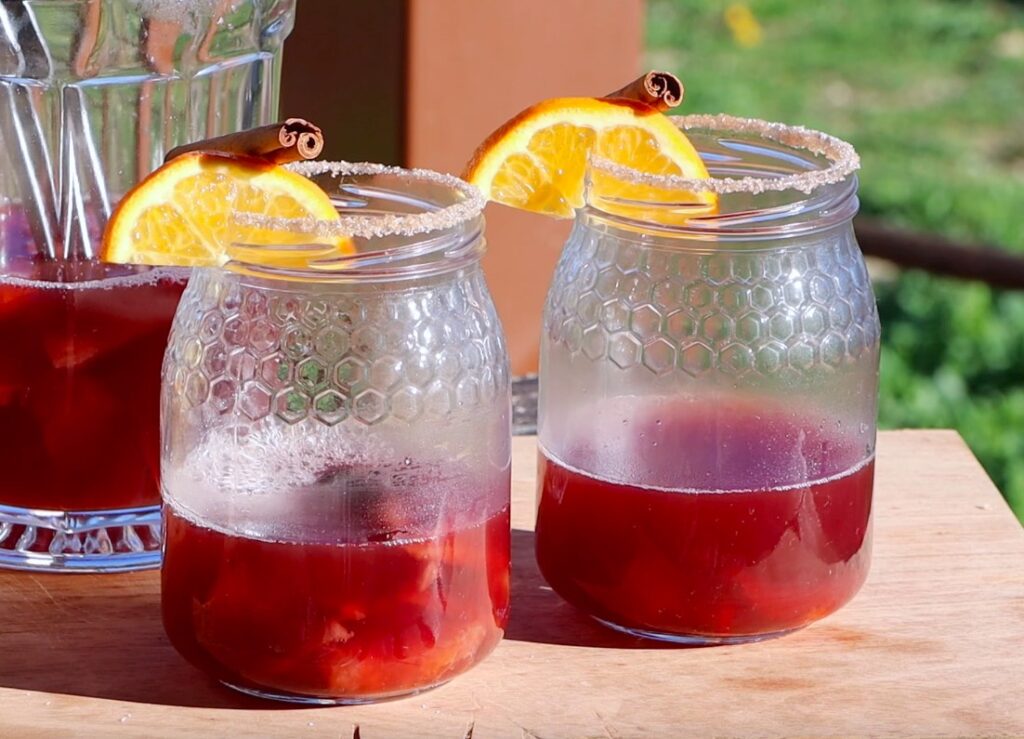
708	392
336	452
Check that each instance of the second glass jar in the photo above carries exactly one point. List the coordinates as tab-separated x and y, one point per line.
708	391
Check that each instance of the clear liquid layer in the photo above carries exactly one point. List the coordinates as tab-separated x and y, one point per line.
316	484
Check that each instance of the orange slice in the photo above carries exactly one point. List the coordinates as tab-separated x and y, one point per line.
538	160
184	214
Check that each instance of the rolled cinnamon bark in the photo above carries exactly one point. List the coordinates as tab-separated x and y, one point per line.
293	140
662	90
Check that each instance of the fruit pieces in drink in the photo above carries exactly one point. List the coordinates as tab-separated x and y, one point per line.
357	620
712	558
82	378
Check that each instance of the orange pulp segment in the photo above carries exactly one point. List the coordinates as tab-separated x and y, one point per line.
538	160
184	214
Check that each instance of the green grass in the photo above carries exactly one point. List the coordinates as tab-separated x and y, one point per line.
931	93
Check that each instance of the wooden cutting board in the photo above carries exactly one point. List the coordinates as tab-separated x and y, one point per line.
933	645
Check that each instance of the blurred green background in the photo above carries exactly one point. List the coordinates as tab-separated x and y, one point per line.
931	92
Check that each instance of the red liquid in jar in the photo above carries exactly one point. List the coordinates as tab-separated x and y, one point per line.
80	386
359	620
725	561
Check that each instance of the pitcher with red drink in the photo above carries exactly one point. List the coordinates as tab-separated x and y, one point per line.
708	390
93	94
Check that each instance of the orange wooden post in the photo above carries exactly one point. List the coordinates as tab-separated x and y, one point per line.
422	82
344	69
471	65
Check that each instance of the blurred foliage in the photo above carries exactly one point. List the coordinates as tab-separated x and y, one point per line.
931	93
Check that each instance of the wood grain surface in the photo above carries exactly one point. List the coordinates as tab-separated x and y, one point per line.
933	645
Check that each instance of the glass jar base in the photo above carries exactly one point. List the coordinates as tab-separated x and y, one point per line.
310	700
694	640
119	540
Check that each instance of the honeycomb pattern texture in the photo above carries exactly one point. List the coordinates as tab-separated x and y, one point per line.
736	312
363	354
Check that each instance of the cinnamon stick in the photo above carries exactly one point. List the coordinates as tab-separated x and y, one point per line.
292	140
662	90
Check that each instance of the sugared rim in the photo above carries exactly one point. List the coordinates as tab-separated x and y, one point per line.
377	226
842	157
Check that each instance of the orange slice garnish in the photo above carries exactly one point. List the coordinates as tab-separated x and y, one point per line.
538	160
185	214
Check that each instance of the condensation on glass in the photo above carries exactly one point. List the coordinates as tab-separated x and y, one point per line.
708	391
92	95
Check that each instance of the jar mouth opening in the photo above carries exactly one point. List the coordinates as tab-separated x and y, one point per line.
768	178
805	159
401	223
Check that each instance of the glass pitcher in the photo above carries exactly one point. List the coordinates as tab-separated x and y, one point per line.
708	390
92	94
336	454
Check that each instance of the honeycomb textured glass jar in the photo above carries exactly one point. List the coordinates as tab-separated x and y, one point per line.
336	455
708	390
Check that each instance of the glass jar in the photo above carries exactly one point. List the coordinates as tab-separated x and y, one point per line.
708	393
336	454
93	93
